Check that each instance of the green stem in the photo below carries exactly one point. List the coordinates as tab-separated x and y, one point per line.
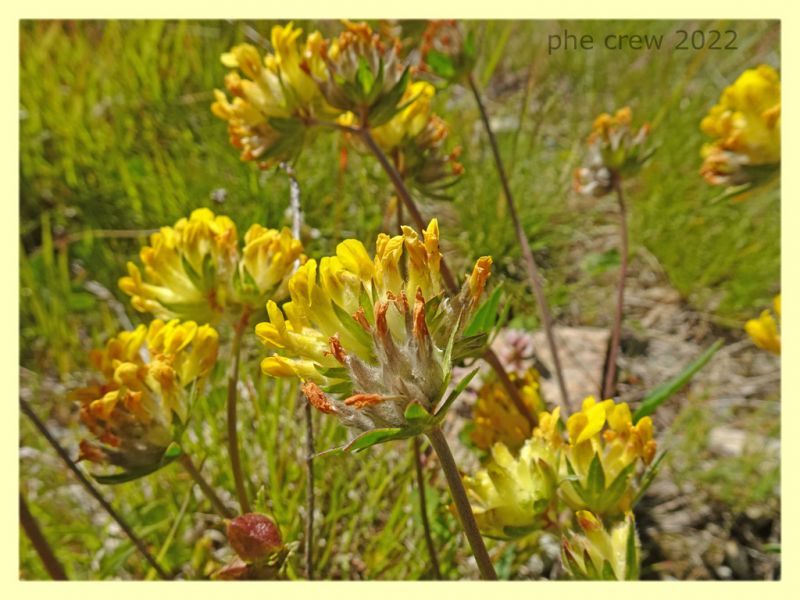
233	440
611	365
205	487
461	501
423	510
40	544
530	262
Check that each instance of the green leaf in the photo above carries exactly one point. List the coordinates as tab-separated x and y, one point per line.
596	480
353	328
364	76
486	315
647	478
462	385
667	389
374	436
441	64
608	572
340	387
172	452
416	414
617	487
631	554
470	347
386	107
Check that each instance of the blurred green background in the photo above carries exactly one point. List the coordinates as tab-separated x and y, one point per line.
116	138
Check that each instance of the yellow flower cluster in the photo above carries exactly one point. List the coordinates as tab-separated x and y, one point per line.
194	270
595	469
146	374
603	451
514	496
601	554
497	418
276	89
764	330
355	79
615	150
746	127
370	335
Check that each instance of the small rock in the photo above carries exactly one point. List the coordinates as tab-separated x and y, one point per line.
726	441
724	572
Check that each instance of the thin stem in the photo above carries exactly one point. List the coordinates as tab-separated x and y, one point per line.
233	440
40	544
530	263
297	221
309	547
205	487
463	507
25	407
447	276
423	510
611	365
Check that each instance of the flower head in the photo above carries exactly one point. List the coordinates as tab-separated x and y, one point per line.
602	454
364	75
147	376
257	541
745	125
764	330
445	51
615	150
265	119
370	336
496	417
514	496
598	553
193	270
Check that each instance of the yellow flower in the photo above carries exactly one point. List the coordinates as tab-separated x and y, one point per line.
186	269
497	418
600	460
193	270
764	330
601	554
410	121
746	127
615	150
131	411
266	117
368	337
512	497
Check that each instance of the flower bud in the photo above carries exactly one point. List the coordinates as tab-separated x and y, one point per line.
254	537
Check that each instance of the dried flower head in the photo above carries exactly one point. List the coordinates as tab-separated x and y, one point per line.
147	376
746	125
193	270
365	75
615	150
371	338
446	51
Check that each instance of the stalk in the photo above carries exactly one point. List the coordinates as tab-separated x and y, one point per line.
423	509
62	453
611	366
233	441
205	487
297	220
459	495
534	275
40	543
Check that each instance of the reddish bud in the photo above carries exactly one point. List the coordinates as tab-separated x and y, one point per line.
254	536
